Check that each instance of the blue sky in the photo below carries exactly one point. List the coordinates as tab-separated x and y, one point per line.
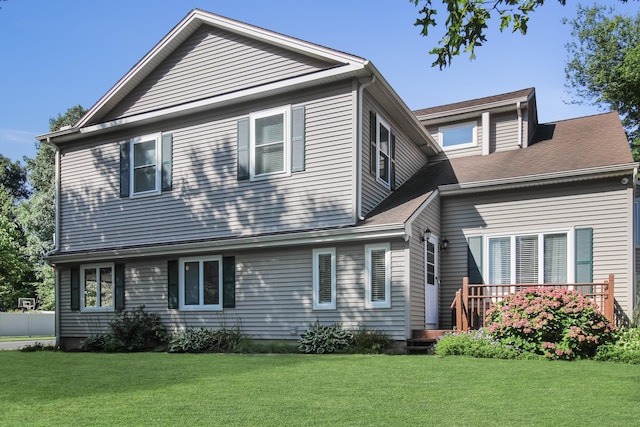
57	54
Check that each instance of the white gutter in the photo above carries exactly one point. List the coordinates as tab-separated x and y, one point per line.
359	142
470	109
539	179
385	231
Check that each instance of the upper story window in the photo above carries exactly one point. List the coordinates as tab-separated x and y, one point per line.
146	165
463	135
271	143
382	151
97	287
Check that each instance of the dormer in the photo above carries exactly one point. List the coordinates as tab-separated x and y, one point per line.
483	126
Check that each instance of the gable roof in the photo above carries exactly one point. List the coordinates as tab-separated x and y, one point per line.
569	149
194	20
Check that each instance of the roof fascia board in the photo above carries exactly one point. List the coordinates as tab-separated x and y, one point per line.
409	223
473	109
386	231
400	104
540	179
344	71
186	27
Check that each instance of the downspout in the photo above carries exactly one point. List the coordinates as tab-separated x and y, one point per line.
519	113
56	237
360	120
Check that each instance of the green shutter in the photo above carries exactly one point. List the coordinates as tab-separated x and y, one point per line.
124	169
243	149
75	289
119	289
172	284
372	145
167	161
474	259
297	139
584	255
229	282
393	161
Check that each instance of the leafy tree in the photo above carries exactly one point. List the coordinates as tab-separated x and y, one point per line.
14	178
468	20
604	65
12	263
37	215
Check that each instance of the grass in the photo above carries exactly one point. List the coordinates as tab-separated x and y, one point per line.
54	388
26	338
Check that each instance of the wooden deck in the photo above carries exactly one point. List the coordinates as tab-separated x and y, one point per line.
472	301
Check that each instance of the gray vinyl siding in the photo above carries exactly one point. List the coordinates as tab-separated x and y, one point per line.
273	296
213	62
601	205
461	152
207	200
504	132
409	158
429	218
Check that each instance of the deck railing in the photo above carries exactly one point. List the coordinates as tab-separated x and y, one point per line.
472	301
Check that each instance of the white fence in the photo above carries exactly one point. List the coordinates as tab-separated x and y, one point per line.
27	324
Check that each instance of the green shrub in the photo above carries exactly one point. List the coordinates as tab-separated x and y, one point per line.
134	330
38	346
203	340
324	339
555	323
626	349
370	341
476	344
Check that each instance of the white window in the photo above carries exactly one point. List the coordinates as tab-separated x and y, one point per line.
324	279
201	283
97	285
529	258
270	142
463	135
146	166
383	152
377	276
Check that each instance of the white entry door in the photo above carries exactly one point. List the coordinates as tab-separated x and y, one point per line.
431	282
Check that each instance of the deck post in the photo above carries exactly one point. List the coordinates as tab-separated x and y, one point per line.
609	301
465	304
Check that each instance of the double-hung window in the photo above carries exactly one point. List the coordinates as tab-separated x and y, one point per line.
529	258
200	283
97	287
463	135
324	279
383	152
377	276
270	142
145	165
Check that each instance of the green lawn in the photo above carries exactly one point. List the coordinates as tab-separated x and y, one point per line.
53	388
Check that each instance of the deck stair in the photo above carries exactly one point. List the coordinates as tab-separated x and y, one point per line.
423	340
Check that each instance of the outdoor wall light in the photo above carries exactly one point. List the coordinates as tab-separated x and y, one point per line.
426	235
445	244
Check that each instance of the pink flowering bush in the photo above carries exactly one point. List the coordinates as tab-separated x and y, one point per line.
555	323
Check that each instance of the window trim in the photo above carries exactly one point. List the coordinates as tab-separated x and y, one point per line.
317	305
157	138
512	239
181	288
386	183
285	111
386	303
474	133
97	267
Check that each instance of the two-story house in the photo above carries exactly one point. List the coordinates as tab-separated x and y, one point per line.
239	176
